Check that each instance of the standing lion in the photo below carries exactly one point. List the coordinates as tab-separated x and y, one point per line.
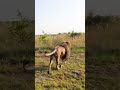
60	52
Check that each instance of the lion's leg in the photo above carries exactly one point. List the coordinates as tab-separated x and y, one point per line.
57	62
51	62
63	63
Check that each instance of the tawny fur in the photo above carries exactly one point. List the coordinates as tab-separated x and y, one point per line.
60	52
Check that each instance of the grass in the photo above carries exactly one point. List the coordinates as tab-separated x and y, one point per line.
102	72
62	79
102	58
12	75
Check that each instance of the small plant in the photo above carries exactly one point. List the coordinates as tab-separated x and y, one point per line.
43	38
74	34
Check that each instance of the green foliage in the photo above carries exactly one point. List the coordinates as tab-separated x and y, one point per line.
43	38
47	42
17	29
74	34
98	20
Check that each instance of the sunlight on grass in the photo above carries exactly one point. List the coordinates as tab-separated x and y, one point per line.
62	79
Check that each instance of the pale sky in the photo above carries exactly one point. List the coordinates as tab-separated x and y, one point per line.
58	16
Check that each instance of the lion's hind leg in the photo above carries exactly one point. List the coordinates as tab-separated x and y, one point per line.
57	62
63	63
50	64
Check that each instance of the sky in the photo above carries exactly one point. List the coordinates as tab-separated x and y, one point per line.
59	16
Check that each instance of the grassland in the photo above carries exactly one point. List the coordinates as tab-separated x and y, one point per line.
63	79
12	74
102	58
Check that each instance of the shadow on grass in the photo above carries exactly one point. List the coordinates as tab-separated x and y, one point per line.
41	68
44	68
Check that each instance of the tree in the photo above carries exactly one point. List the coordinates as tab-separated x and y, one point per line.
22	37
98	21
17	30
89	19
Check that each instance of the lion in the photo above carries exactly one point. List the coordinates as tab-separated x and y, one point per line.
60	52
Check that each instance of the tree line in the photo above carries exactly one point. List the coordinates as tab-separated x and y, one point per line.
100	21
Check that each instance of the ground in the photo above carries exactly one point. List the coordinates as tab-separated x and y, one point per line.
70	77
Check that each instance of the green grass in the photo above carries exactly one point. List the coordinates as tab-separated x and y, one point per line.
62	79
78	50
11	83
102	71
13	77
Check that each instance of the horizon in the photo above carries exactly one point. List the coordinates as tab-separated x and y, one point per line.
62	16
58	33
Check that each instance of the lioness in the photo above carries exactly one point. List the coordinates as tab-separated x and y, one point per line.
60	52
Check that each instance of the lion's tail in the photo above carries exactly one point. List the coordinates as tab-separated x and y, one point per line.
48	54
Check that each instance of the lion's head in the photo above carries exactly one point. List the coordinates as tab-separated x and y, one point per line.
67	47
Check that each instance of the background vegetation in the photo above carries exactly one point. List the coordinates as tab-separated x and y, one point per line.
102	52
72	75
15	50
